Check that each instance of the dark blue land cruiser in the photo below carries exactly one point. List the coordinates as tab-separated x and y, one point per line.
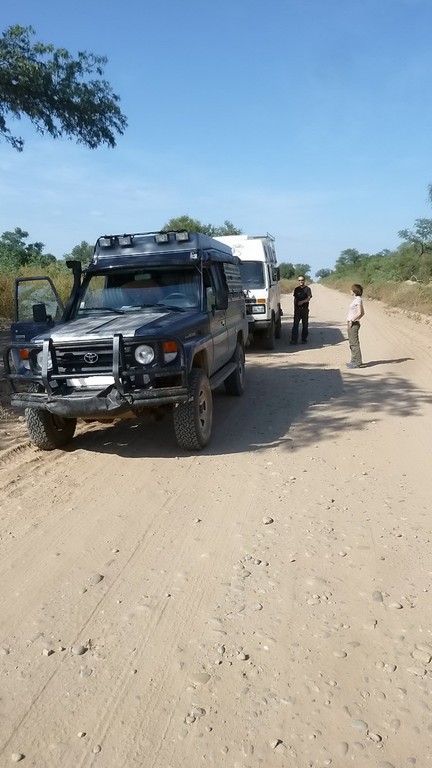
156	322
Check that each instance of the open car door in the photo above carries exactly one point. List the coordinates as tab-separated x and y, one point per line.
37	307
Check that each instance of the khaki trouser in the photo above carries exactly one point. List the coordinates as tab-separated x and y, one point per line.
353	338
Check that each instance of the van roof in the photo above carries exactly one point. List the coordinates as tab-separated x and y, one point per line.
251	247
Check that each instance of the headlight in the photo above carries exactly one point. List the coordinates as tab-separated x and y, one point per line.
258	309
39	358
144	355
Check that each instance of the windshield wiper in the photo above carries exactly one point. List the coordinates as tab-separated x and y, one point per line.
167	306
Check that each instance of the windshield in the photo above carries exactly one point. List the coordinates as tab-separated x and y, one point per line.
252	274
174	287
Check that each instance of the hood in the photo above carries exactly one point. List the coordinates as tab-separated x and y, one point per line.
103	326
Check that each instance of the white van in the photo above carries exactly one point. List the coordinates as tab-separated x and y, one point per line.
260	277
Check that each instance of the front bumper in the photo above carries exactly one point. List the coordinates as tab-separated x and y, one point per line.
132	388
258	322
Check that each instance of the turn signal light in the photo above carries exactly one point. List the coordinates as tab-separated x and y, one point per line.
169	346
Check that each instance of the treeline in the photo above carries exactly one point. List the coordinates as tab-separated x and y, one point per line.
412	260
408	262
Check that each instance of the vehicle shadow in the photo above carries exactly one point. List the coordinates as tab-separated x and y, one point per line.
313	403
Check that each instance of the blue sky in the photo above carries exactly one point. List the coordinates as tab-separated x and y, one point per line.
310	119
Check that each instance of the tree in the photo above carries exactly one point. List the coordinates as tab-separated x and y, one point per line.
16	253
194	225
286	270
348	257
56	91
227	228
421	235
82	252
302	269
323	273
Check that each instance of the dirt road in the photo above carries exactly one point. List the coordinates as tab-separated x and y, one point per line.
152	617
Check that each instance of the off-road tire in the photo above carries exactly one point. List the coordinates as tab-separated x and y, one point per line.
269	338
235	382
278	327
48	431
193	419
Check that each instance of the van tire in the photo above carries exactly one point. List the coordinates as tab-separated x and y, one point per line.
235	382
193	419
48	431
269	338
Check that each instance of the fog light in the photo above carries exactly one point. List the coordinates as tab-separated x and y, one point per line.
105	242
125	240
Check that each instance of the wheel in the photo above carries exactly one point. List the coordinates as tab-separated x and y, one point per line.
269	338
235	383
193	419
278	327
48	431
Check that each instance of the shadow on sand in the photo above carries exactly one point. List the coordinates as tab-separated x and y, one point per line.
372	363
318	401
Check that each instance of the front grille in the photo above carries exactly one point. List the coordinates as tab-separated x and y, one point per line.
72	360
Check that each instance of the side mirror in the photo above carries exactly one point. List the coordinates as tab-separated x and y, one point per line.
210	297
39	313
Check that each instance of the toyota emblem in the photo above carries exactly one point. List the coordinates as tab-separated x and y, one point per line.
91	357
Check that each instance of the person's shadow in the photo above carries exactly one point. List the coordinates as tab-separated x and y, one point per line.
372	363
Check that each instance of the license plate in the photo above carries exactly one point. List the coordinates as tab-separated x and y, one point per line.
92	382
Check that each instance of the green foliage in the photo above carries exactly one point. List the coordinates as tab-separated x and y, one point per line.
56	91
412	260
287	270
302	269
323	273
421	235
82	252
16	253
194	225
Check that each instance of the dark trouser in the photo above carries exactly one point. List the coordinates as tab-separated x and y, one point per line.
353	338
300	313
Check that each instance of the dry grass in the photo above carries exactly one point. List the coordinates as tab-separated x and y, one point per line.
411	297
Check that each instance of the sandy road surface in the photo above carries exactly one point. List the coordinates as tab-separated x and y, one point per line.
214	638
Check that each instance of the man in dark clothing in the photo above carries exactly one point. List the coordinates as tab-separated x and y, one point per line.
302	297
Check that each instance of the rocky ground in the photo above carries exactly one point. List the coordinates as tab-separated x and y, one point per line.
263	603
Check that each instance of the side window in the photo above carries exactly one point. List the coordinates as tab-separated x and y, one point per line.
219	278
